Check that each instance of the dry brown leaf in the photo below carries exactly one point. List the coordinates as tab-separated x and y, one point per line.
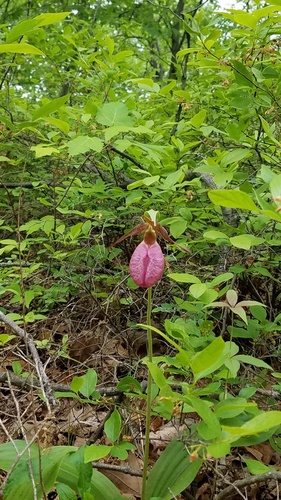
129	486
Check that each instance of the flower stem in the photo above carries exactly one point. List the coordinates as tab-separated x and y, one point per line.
149	395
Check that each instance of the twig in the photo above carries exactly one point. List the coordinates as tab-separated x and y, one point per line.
45	384
118	468
241	483
27	383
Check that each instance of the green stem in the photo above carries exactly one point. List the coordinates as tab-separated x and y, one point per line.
149	396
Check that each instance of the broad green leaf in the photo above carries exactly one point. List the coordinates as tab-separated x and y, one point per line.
50	107
60	124
83	144
214	235
114	113
275	186
251	360
129	384
172	473
246	241
65	492
184	278
42	150
157	375
235	156
219	449
208	416
173	178
28	25
209	359
89	383
197	289
197	120
256	467
96	452
100	486
242	75
221	279
260	423
178	227
231	407
20	48
232	199
112	426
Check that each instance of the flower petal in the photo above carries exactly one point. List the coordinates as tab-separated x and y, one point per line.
147	264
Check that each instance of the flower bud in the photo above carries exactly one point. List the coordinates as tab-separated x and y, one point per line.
147	262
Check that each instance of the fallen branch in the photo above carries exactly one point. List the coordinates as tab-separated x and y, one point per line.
45	384
242	483
28	383
119	468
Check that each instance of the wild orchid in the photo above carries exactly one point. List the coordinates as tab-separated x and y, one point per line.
147	262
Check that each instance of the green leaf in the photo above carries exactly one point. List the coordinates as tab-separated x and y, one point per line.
231	407
219	449
258	424
209	359
235	156
209	418
112	426
60	124
95	452
221	278
256	467
20	48
197	120
242	74
100	486
253	361
114	113
89	383
246	241
129	384
232	199
214	235
172	473
157	375
178	227
197	290
83	144
65	492
29	24
50	107
183	278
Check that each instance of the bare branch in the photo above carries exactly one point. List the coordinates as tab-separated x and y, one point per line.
242	483
45	384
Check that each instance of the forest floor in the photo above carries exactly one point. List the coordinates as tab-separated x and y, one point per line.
87	334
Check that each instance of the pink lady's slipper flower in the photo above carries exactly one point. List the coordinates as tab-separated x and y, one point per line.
147	262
